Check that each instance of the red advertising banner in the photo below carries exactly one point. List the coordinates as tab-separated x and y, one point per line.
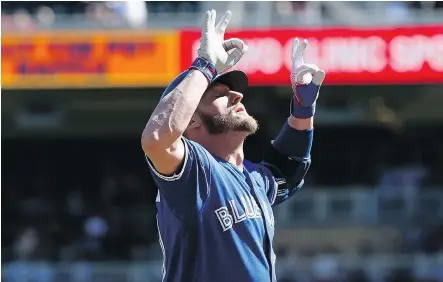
400	55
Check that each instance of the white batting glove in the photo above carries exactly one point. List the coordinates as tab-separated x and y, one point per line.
224	54
306	80
302	72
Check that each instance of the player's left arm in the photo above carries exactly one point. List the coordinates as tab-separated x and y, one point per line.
288	157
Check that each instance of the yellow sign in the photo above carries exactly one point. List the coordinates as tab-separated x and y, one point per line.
65	59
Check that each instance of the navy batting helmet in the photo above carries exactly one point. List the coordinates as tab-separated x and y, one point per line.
236	81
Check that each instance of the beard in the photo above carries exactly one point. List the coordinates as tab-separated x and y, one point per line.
223	123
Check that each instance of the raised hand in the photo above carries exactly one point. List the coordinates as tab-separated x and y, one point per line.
224	54
306	80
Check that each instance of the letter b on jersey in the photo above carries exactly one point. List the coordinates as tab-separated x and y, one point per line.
224	217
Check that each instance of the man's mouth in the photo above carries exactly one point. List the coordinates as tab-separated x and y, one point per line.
240	109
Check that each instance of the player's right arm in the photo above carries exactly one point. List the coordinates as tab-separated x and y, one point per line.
179	166
161	138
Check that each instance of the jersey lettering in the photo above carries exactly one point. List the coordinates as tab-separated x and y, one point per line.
239	211
237	217
224	217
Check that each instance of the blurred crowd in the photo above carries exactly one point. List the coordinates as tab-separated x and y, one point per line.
79	202
79	199
28	16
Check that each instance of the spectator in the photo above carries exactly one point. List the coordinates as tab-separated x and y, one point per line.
326	267
135	12
22	20
45	16
26	244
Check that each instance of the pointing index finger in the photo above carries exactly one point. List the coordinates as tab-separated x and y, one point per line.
295	44
207	24
213	17
300	50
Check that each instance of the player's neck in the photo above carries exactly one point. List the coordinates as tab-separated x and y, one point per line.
227	146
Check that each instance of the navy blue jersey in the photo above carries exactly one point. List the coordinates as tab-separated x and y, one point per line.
215	222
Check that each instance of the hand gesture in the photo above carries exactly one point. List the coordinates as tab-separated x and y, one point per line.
306	80
224	54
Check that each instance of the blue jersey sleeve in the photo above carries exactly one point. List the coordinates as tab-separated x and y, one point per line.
186	191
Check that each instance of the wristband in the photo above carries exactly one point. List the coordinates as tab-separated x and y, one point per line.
205	66
301	112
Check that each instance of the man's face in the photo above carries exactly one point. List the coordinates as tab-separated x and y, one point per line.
221	111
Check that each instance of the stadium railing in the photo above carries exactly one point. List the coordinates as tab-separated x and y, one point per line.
359	206
266	14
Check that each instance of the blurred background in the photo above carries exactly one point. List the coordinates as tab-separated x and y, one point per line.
80	79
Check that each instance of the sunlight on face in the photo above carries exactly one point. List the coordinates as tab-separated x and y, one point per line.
221	111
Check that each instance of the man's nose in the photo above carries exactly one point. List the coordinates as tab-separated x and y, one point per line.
235	97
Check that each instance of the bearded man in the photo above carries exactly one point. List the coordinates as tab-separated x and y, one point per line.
214	207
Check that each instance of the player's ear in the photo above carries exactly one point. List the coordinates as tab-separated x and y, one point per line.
195	122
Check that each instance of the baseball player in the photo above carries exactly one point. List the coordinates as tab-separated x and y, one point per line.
214	207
